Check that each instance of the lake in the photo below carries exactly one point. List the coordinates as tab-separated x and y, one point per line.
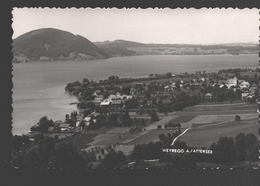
39	86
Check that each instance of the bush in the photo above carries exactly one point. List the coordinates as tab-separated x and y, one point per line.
237	118
159	126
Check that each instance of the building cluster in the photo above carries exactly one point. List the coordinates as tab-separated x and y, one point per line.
159	92
245	88
114	100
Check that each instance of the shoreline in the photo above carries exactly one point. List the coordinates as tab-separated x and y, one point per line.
116	57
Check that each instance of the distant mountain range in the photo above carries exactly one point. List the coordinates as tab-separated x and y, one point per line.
50	44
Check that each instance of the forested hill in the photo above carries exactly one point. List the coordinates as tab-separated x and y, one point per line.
49	44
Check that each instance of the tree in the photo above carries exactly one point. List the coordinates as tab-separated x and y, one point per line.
67	116
86	113
177	83
251	147
111	78
178	106
125	118
240	141
82	124
102	151
148	95
85	80
18	142
154	116
182	161
74	114
114	159
143	122
178	125
44	124
225	150
144	102
112	120
91	124
237	118
65	154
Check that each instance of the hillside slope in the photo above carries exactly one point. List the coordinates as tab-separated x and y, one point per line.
52	44
129	48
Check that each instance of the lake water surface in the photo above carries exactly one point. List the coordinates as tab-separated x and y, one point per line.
39	86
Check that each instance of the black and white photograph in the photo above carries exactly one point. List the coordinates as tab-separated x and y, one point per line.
135	88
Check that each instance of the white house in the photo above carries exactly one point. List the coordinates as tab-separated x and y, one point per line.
105	102
231	82
244	96
244	84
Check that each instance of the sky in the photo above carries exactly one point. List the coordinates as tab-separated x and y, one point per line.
173	26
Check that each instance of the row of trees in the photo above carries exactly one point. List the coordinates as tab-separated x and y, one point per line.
226	150
50	153
47	152
171	124
237	70
229	150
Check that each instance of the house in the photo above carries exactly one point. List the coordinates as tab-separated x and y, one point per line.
244	84
112	96
202	79
97	101
100	96
116	103
253	89
97	91
64	126
58	123
208	96
223	86
105	103
50	129
198	84
167	88
88	118
245	96
231	82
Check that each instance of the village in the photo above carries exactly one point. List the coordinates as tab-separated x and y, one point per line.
164	95
118	114
119	111
160	95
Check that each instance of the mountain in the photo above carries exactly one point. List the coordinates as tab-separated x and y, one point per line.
52	44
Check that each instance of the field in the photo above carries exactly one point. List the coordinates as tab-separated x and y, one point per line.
208	122
81	140
182	119
229	107
205	136
213	121
150	136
